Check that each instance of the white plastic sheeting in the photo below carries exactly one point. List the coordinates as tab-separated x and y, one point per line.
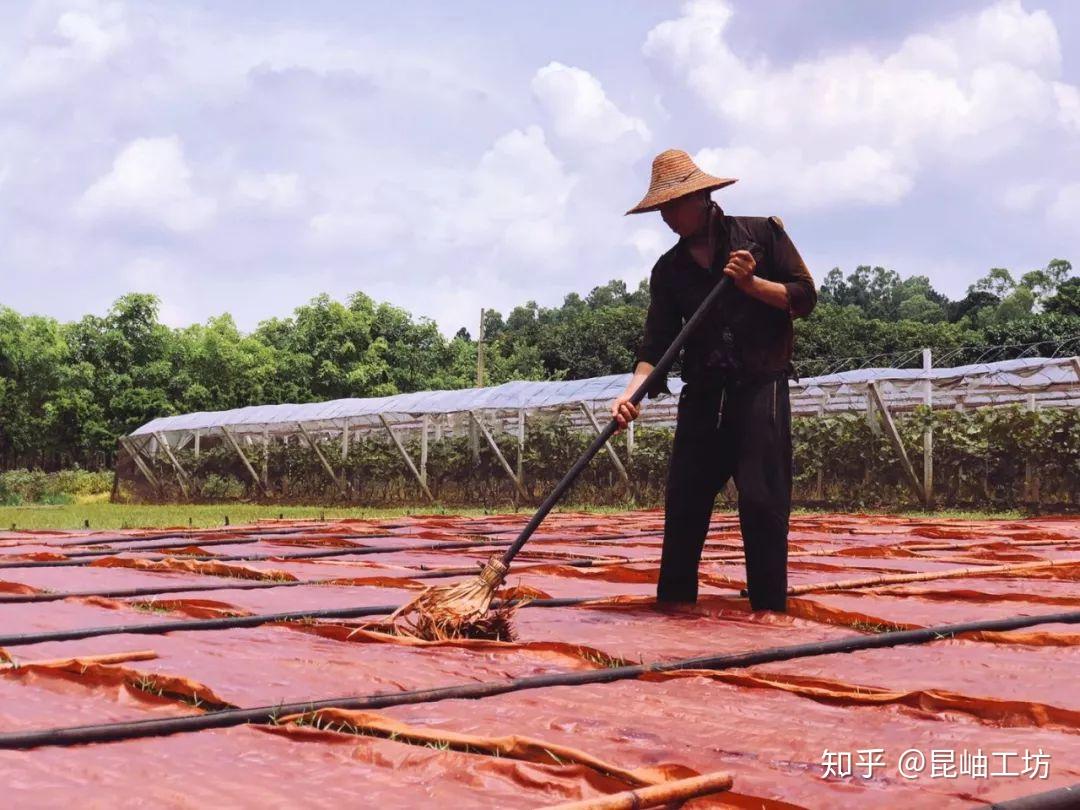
1046	382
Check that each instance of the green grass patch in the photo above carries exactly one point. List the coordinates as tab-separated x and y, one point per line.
103	515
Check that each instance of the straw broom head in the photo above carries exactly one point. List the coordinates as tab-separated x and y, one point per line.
459	611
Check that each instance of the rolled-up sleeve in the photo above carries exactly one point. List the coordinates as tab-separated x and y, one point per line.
662	323
792	272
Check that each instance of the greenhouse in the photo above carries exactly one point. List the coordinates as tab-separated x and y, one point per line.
497	417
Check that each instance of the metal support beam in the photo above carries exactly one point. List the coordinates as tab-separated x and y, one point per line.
928	434
198	442
326	464
498	454
408	461
521	446
423	447
247	464
894	437
607	445
136	456
266	458
182	478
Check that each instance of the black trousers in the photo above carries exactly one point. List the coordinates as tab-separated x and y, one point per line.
741	430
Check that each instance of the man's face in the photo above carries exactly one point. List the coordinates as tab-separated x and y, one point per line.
684	215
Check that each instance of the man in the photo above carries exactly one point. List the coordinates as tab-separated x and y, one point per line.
734	415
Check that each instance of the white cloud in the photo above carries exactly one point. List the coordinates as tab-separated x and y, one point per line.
151	180
862	175
514	200
1065	207
78	39
1021	196
1068	99
962	92
271	192
581	112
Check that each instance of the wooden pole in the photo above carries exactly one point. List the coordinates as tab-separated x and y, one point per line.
345	440
408	461
136	456
181	474
928	434
247	464
897	443
326	464
498	454
607	445
198	437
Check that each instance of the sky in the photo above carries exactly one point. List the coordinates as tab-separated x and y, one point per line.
245	156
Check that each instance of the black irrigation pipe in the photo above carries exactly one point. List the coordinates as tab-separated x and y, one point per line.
110	732
249	585
241	540
451	545
299	555
232	622
188	534
1066	798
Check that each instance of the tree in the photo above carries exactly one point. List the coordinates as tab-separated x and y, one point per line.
1066	300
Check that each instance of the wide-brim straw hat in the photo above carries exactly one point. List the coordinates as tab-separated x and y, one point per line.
675	175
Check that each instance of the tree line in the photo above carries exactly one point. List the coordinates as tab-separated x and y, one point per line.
69	389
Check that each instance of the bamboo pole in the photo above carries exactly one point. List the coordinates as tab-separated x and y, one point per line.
666	793
107	658
607	445
498	454
247	464
326	464
408	461
182	477
897	443
926	576
677	790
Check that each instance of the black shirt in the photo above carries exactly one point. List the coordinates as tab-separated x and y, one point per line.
743	337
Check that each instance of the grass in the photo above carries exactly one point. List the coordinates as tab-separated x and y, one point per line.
98	513
104	515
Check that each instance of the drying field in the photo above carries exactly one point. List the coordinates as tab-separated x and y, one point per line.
156	668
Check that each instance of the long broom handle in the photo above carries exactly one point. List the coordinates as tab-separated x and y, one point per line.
659	370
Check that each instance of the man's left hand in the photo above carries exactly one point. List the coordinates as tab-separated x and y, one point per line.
740	266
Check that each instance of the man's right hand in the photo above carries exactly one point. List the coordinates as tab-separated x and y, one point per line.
623	410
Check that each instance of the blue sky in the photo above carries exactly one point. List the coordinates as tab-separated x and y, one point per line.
246	156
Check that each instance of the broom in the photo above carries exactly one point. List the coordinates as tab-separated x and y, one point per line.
462	611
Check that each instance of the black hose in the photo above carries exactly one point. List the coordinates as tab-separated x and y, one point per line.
249	585
299	555
108	732
1066	798
451	545
230	622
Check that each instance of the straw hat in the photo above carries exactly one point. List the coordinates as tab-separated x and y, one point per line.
674	174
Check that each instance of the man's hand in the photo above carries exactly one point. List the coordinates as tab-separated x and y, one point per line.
740	266
623	411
